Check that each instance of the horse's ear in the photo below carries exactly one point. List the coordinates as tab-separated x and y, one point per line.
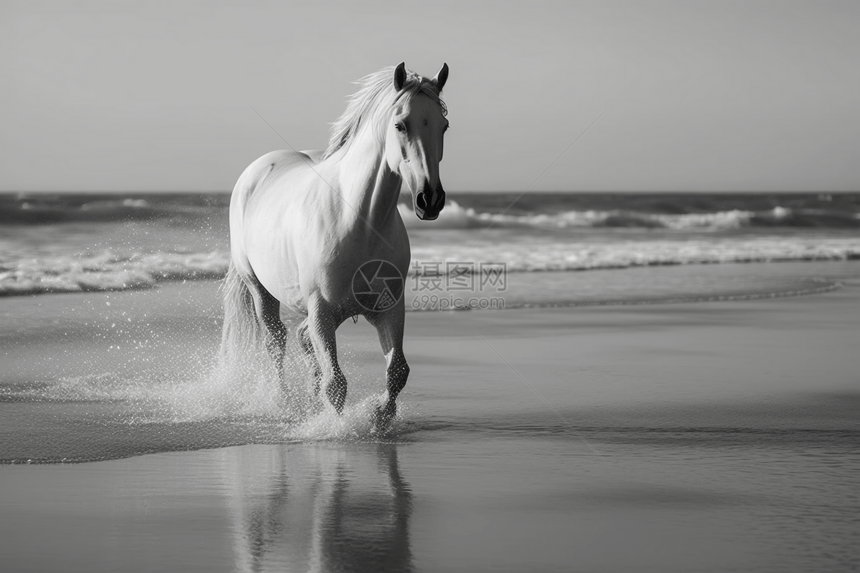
399	76
441	77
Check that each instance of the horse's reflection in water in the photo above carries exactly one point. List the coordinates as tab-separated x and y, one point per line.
317	507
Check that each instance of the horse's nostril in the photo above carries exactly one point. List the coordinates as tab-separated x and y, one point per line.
421	201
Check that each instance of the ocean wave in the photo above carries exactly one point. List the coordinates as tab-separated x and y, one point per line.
456	216
21	273
691	212
105	271
41	209
542	256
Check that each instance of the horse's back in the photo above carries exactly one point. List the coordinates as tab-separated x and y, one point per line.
252	180
274	161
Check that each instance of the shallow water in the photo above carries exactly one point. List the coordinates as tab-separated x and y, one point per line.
665	437
502	501
98	376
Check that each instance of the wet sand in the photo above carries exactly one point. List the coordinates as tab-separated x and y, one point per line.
678	437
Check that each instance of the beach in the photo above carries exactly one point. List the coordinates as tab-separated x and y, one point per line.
617	256
694	436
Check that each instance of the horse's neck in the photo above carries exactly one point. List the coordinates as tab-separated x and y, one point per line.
367	185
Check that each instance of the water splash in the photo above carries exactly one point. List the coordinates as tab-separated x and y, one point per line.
197	403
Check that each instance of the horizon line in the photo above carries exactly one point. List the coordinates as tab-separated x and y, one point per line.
451	192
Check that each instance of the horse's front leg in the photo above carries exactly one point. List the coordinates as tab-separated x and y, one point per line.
389	327
322	323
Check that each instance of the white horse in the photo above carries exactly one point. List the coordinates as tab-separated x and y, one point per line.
303	224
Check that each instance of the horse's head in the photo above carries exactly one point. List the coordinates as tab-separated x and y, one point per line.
415	136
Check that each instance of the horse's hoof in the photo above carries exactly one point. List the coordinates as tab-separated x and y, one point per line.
383	416
336	397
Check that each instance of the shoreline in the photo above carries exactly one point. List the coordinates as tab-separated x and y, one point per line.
790	278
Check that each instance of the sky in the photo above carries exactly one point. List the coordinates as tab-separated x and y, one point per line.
569	96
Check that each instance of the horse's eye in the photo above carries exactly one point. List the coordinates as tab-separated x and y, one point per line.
400	127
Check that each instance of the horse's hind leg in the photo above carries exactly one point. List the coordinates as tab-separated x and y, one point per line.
268	310
322	323
389	327
307	347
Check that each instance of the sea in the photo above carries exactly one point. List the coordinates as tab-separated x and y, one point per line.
488	246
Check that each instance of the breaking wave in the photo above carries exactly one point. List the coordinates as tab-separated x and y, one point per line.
86	242
109	270
458	217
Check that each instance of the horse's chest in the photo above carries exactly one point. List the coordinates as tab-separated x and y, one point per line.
349	259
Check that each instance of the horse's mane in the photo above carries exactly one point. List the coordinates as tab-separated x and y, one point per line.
372	102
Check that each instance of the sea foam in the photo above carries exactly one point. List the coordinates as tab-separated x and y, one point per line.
111	270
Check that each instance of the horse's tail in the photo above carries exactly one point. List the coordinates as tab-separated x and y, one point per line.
241	332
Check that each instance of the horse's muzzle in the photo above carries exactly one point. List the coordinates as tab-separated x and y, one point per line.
427	212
